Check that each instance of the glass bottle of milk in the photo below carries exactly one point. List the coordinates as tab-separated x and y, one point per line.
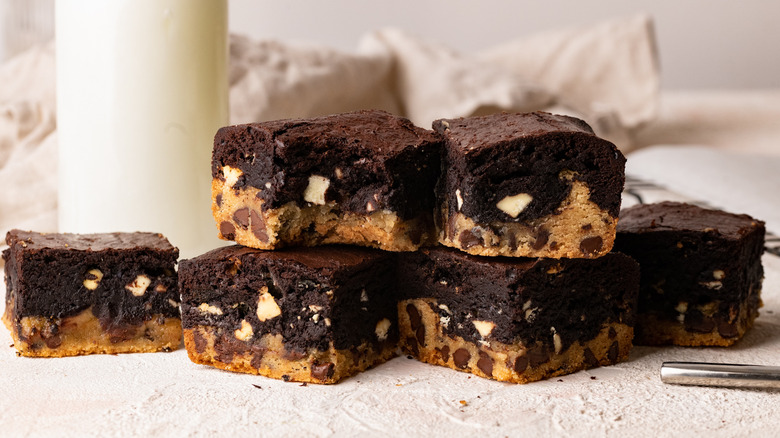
141	90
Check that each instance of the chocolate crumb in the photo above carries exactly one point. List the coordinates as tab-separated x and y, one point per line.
592	377
560	380
257	386
285	377
409	357
304	384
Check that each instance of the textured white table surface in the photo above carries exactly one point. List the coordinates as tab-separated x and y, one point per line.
164	394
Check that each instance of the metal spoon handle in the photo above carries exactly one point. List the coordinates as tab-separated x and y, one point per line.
720	374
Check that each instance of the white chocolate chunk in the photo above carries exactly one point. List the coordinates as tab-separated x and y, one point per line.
245	332
514	205
92	283
231	175
484	327
718	274
381	329
556	341
266	306
139	285
459	198
207	308
315	191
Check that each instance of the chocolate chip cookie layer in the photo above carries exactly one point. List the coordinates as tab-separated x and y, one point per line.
516	320
701	272
73	294
364	178
528	185
301	314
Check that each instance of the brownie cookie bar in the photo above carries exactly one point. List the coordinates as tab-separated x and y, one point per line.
72	294
701	272
303	314
365	178
528	185
517	320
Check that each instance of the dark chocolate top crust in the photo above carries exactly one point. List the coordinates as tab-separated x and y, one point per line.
523	297
499	155
89	242
676	216
325	259
381	158
351	287
45	274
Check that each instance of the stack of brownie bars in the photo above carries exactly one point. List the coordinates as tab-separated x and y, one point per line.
483	246
527	203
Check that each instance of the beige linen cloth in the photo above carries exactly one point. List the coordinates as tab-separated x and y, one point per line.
607	74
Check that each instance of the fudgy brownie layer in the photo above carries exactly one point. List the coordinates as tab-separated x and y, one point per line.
363	161
507	167
241	217
314	298
522	300
423	335
84	333
701	271
268	356
123	277
577	229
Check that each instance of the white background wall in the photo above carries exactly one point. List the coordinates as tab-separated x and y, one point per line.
702	43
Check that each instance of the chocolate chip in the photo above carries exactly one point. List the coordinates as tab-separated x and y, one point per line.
414	316
553	246
285	377
590	358
697	323
219	200
452	223
587	227
200	342
412	342
257	359
227	230
512	240
591	245
469	238
485	363
421	335
538	356
415	235
445	353
322	371
53	342
542	236
521	363
612	333
728	330
612	354
461	357
241	217
258	226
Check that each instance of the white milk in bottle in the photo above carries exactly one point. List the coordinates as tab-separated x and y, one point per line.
141	91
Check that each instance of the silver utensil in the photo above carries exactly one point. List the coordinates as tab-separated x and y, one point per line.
720	374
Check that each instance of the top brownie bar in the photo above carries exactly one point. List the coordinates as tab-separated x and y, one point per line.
533	185
364	178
